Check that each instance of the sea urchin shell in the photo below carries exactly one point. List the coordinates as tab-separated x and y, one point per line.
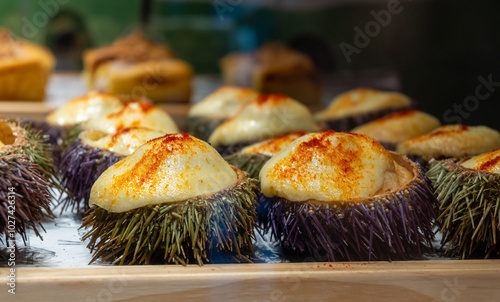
469	213
392	225
181	215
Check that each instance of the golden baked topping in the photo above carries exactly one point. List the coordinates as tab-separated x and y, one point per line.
123	142
265	117
136	115
362	100
223	102
171	168
273	146
452	141
331	166
489	162
92	105
399	127
134	47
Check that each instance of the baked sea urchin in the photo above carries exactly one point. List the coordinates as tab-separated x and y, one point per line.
266	117
92	154
174	199
25	175
469	213
214	109
344	195
359	106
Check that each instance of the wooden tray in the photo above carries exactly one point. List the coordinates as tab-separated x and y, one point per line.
474	280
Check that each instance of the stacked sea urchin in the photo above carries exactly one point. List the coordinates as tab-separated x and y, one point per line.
92	154
469	213
266	117
344	195
398	127
174	199
25	174
359	106
214	109
251	159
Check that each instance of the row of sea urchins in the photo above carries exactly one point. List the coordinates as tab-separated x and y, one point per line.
390	225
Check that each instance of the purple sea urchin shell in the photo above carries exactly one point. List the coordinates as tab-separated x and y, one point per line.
394	226
79	168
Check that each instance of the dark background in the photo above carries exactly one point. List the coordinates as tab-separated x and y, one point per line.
434	51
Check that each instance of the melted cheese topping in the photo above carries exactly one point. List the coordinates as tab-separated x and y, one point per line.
93	105
452	141
171	168
331	166
134	114
489	162
362	100
265	117
273	146
223	102
124	142
399	127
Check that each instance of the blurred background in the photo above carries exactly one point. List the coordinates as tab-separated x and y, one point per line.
438	52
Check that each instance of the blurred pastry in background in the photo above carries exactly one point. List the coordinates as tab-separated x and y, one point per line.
274	68
359	106
206	115
398	127
105	112
468	191
24	69
344	196
134	65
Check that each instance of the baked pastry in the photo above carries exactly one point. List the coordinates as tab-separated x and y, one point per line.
174	199
451	141
345	196
205	116
359	106
24	69
134	65
274	68
469	214
266	117
398	127
92	153
26	174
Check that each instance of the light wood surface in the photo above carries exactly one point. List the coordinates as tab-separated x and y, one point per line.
472	280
